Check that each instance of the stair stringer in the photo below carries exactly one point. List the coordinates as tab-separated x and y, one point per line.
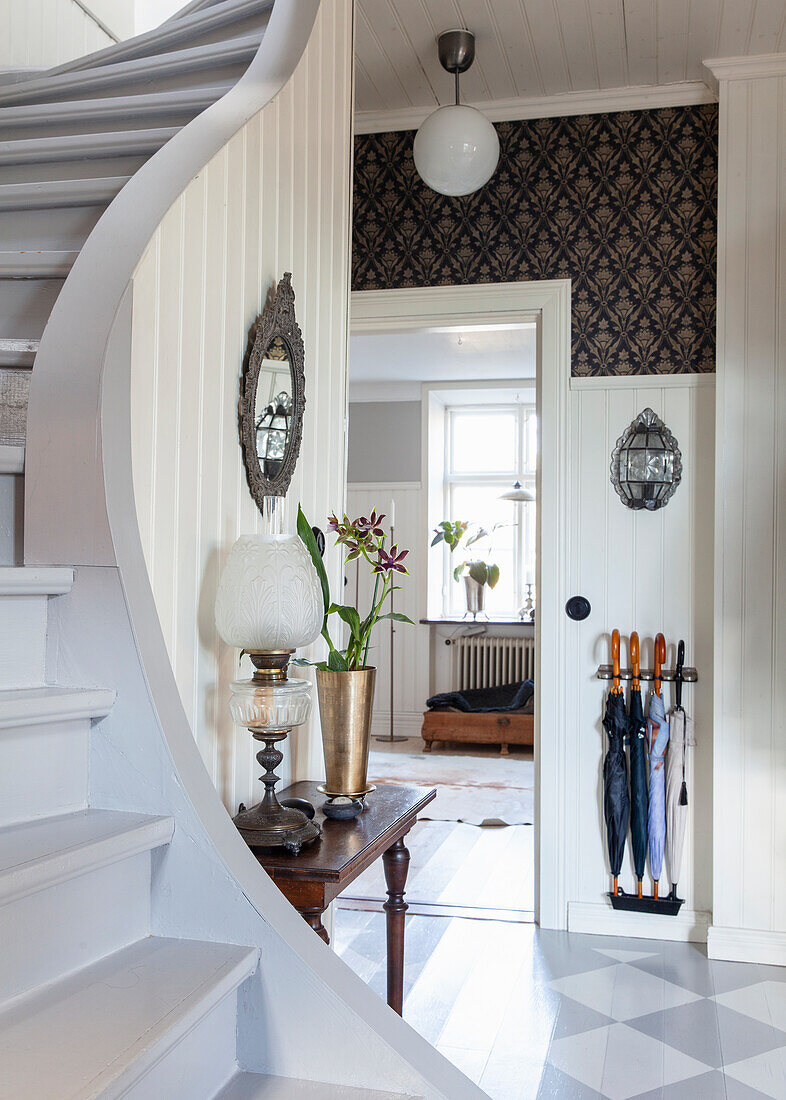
304	1013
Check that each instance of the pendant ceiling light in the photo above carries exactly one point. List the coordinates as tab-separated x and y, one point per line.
518	495
456	149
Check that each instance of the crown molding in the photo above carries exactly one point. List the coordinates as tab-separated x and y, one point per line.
747	68
636	98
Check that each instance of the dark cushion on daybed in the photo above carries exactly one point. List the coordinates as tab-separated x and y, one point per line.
484	700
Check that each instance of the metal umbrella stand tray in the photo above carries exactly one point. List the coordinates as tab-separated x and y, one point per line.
655	800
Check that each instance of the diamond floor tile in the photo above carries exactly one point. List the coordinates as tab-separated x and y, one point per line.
622	992
556	1085
622	1063
691	1028
766	1072
708	1086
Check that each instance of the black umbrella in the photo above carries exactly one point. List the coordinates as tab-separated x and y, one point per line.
616	801
639	794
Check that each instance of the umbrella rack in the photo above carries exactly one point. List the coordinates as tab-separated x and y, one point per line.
689	675
670	904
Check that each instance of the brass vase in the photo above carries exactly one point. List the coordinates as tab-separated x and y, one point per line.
346	700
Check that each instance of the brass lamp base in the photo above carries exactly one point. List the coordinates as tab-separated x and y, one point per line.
283	828
269	824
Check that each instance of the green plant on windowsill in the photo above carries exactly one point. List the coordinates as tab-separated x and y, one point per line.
456	533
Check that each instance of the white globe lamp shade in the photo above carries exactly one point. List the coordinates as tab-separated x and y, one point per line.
456	150
269	597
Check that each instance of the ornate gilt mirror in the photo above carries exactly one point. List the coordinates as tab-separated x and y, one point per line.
272	397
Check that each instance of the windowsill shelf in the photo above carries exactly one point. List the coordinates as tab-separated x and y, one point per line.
496	621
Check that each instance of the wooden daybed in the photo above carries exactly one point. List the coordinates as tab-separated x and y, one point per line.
503	728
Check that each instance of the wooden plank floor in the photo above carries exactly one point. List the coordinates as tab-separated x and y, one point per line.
453	864
466	991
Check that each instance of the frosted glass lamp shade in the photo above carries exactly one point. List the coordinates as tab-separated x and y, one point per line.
269	596
456	150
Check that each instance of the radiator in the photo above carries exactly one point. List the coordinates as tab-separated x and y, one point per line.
481	661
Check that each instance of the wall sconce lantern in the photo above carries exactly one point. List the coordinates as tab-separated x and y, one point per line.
646	464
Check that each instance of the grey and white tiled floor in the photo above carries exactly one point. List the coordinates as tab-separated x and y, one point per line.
554	1016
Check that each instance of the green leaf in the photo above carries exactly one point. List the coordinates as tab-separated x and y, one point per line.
307	535
479	571
458	571
399	618
350	616
493	575
481	533
439	537
337	662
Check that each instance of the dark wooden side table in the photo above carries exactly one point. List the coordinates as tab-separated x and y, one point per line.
323	870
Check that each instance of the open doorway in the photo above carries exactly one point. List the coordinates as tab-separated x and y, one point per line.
443	439
457	966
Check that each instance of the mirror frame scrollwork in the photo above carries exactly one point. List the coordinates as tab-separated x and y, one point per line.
277	319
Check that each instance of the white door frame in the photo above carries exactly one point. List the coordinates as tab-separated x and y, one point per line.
490	303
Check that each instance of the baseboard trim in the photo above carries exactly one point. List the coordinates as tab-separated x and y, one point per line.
406	723
751	945
598	918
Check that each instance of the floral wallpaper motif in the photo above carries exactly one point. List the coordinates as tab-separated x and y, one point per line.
623	204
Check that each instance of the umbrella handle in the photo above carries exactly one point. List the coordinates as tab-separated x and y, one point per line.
678	679
634	661
615	660
660	657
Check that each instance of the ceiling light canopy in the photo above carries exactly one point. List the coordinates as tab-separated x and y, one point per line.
456	149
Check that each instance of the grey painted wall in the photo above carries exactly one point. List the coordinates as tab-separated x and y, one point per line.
384	441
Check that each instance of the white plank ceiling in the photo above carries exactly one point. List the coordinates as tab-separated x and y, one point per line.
528	50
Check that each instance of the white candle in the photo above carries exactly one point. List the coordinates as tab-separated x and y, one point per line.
392	513
530	576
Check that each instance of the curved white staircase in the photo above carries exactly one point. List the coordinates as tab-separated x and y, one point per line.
71	139
144	954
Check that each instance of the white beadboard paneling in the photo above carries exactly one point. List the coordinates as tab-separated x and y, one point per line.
275	199
647	572
750	763
411	643
42	33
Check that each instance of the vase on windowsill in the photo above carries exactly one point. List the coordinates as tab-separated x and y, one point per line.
476	596
345	682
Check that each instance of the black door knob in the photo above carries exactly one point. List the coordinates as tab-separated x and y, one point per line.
578	608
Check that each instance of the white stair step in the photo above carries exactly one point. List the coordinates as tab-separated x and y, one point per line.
182	31
73	889
127	1024
71	147
78	113
42	705
258	1086
12	459
36	265
35	580
18	353
60	193
44	750
24	595
122	74
35	855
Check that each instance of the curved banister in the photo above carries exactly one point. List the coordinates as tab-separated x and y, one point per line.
65	512
80	510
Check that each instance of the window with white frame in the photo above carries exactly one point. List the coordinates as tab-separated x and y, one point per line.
487	449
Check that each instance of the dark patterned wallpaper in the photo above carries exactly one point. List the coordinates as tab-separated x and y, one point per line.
623	204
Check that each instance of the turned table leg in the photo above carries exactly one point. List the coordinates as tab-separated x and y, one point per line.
396	863
313	917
